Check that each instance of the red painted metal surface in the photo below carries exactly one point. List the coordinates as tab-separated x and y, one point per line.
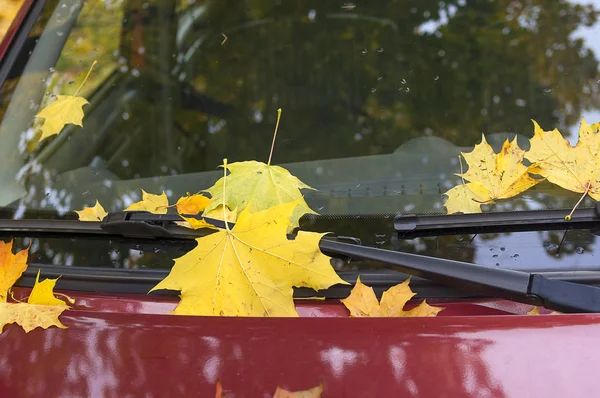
119	346
14	26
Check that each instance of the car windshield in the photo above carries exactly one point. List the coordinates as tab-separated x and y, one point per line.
379	98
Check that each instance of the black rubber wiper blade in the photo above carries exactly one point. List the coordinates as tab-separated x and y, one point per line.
411	226
524	287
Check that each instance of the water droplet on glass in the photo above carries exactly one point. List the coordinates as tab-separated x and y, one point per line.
547	91
516	256
403	81
59	33
125	116
497	264
495	256
379	77
502	248
72	82
373	89
364	51
436	78
407	89
579	250
380	50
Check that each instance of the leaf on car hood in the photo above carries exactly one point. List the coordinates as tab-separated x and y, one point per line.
314	392
362	302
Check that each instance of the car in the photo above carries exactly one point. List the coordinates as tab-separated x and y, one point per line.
379	101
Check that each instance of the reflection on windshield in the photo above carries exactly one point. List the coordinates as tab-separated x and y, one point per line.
378	98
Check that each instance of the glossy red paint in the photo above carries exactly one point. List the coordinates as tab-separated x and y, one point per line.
14	26
118	346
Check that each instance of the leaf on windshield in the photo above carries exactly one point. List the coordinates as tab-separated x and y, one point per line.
362	302
536	311
250	270
94	213
12	267
192	204
66	109
157	204
314	392
42	309
490	177
259	186
575	168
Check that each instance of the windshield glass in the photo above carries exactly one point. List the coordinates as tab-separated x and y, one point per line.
379	98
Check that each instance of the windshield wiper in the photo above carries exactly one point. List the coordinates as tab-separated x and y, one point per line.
412	226
530	288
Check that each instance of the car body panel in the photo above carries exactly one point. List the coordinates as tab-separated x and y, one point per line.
127	345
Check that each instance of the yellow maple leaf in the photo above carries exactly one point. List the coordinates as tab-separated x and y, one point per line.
94	213
30	316
571	167
66	109
43	292
259	186
491	177
314	392
218	214
157	204
12	267
362	302
192	204
250	270
536	311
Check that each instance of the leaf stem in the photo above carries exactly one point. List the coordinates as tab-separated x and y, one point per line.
85	79
587	189
274	136
225	193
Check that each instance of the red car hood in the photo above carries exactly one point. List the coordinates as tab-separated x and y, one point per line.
119	346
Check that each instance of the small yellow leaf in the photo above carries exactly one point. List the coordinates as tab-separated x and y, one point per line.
217	214
362	302
251	269
95	213
31	316
492	176
194	223
42	292
156	204
11	267
314	392
67	109
259	186
536	311
192	204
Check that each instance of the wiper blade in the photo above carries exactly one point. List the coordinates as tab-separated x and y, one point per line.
530	288
411	226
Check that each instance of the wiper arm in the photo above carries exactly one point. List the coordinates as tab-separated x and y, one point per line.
529	288
411	226
524	287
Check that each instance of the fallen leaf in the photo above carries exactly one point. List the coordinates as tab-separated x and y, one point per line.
314	392
362	302
217	214
258	186
251	269
157	204
219	391
66	109
192	204
95	213
571	167
11	267
43	292
491	177
30	316
194	223
461	199
536	311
